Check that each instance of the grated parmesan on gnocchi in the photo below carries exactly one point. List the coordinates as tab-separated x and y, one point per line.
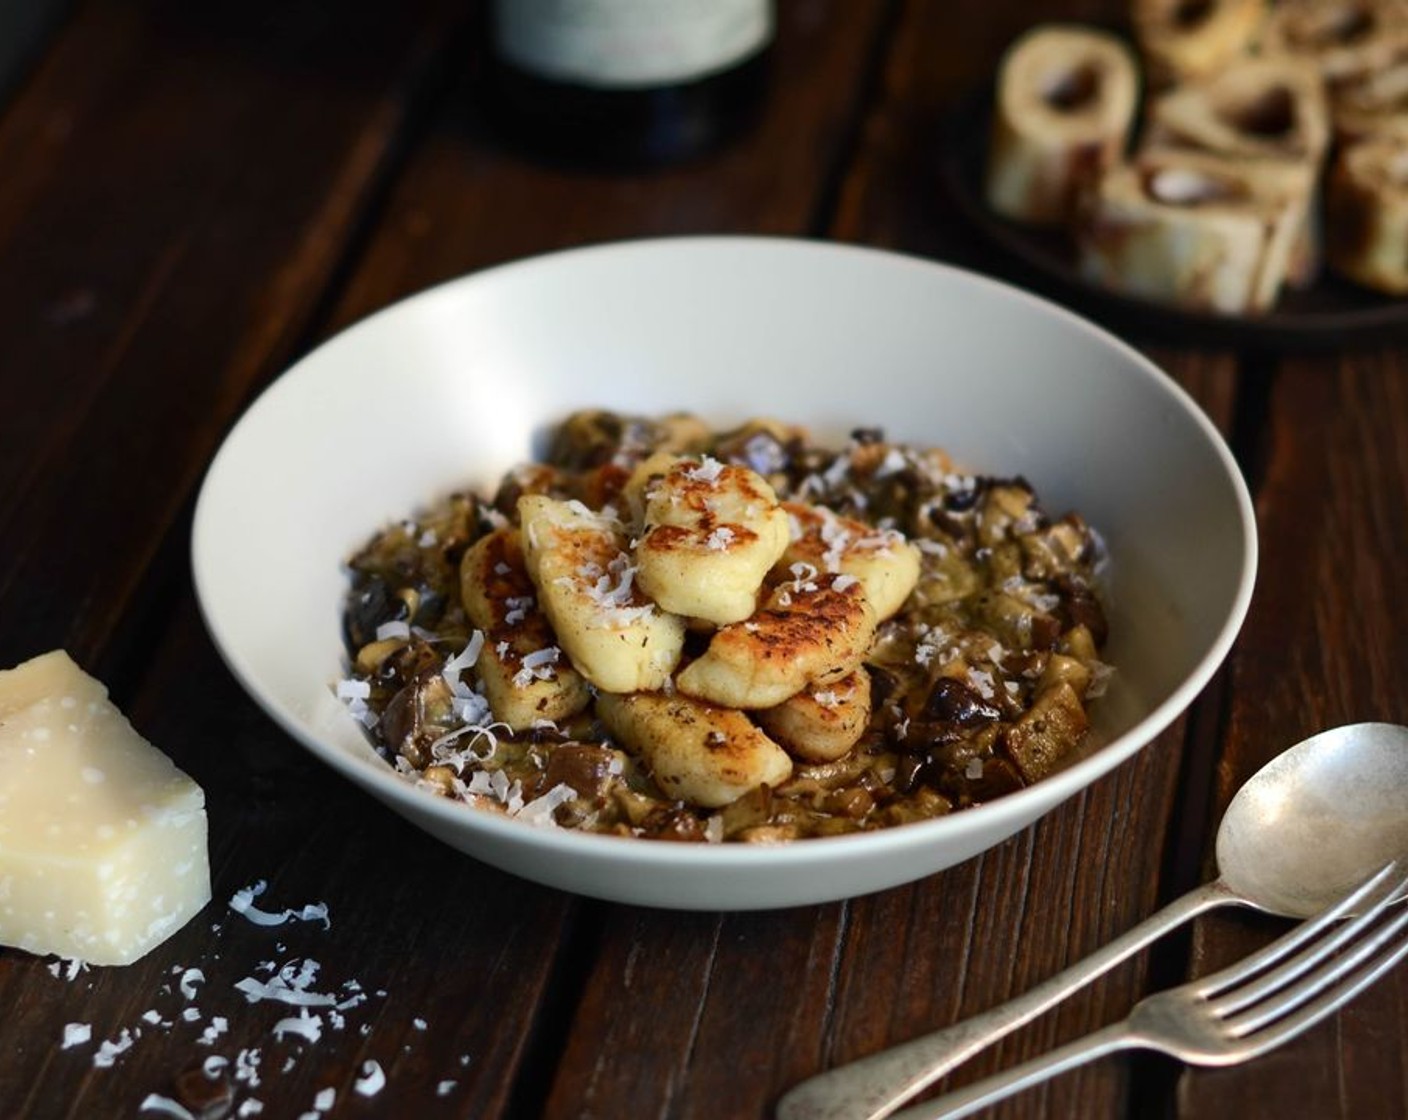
667	632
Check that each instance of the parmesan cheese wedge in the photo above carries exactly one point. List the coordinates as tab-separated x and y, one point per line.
102	839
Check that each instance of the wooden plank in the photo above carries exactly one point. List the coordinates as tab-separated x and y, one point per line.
452	956
194	178
695	986
465	203
971	937
1324	645
841	981
521	947
197	176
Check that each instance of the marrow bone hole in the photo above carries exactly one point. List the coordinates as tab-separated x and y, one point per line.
1072	90
1189	14
1349	23
1271	114
1179	186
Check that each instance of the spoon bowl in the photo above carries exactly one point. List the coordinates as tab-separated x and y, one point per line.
1317	819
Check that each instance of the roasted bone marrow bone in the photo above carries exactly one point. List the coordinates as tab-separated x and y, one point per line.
1367	206
1373	104
1183	39
1253	108
1255	111
1343	39
1194	230
1273	97
1065	101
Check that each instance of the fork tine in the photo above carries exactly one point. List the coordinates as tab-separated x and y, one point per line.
1322	979
1257	990
1331	1000
1236	974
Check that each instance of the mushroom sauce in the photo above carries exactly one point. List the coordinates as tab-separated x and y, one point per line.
979	684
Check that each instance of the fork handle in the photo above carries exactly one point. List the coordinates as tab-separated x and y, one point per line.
990	1090
873	1087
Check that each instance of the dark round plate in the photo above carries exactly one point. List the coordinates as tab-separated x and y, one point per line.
1329	313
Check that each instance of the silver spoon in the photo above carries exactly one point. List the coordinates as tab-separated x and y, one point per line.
1305	829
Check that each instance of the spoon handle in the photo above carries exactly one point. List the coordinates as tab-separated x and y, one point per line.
873	1087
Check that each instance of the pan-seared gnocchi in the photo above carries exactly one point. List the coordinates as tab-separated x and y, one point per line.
668	632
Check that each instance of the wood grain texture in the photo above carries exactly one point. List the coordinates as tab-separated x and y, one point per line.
191	194
464	202
1097	865
195	182
453	957
195	178
1324	645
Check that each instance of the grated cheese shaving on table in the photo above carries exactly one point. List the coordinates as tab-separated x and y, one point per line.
304	1025
110	1048
372	1081
67	968
247	1067
76	1034
242	903
155	1102
218	1025
189	979
291	985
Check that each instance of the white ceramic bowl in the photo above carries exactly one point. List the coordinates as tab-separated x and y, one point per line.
452	386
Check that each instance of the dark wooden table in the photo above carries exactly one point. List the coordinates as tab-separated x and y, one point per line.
192	195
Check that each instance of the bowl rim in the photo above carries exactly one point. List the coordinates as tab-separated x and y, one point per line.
1020	806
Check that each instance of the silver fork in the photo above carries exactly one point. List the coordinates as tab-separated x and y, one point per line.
1238	1013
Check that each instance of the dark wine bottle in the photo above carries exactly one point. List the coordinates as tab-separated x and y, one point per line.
627	83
